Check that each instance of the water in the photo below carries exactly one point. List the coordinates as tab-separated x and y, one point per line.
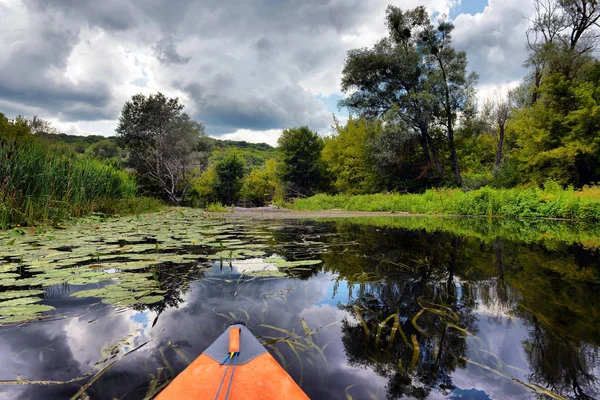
372	312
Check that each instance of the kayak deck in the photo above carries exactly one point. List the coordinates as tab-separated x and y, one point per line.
236	366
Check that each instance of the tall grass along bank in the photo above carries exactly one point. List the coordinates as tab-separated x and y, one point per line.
550	202
39	183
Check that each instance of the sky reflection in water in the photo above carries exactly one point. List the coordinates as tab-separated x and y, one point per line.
507	294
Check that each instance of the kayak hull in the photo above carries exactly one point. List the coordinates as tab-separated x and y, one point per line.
257	375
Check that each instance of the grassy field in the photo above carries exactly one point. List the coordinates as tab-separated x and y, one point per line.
39	183
550	202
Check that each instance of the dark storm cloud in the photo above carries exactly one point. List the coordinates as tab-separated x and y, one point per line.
235	38
106	14
252	112
166	52
236	65
27	76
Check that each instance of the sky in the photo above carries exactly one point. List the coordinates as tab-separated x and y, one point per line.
246	70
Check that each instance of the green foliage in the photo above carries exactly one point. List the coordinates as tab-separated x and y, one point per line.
217	207
255	154
79	144
41	183
550	202
348	159
301	165
204	190
105	150
13	128
168	149
262	185
557	137
415	69
130	206
229	174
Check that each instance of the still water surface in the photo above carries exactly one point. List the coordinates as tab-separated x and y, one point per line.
369	313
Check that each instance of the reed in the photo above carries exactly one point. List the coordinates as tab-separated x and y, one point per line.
550	202
41	183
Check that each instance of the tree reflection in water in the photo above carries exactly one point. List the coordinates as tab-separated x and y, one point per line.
424	279
421	309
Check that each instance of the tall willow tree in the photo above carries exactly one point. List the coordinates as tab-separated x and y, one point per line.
416	69
392	73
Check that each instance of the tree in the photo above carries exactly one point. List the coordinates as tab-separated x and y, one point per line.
229	172
166	147
347	156
13	127
451	83
496	112
104	149
38	126
557	137
562	36
394	152
395	72
205	188
301	167
262	185
417	69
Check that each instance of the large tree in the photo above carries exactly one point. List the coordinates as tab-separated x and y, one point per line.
417	69
453	87
562	36
394	72
166	147
301	165
230	173
496	111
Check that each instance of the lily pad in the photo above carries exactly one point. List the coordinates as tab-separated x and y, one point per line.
280	262
20	302
15	294
26	309
150	299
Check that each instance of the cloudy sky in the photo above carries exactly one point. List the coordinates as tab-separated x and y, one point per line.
245	69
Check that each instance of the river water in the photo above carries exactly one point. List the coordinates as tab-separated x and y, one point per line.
406	307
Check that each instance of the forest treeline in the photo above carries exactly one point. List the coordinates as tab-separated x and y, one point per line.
414	127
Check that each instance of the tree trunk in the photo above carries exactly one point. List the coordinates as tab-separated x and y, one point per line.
423	143
536	84
427	145
448	108
436	159
500	144
453	152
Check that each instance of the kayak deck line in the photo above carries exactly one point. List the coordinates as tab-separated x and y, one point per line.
254	373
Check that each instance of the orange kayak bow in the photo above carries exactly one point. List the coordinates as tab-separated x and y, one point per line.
235	367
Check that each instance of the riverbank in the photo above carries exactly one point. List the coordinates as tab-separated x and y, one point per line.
550	202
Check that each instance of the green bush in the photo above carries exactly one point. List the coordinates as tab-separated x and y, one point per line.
217	207
550	202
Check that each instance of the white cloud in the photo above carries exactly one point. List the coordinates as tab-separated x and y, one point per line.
495	40
246	71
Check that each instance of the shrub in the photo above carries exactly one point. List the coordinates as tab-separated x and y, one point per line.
551	202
